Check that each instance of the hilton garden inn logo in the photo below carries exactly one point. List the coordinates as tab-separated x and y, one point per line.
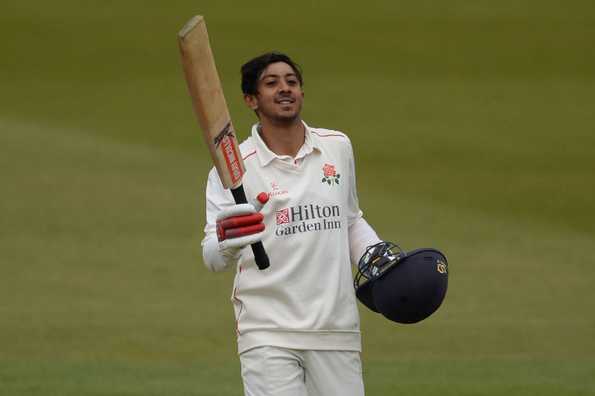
307	218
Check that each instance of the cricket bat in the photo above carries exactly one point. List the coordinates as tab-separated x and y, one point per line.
213	115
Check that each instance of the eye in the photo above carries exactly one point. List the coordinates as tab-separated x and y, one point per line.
292	82
269	83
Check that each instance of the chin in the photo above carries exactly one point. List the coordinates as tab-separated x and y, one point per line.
288	118
282	117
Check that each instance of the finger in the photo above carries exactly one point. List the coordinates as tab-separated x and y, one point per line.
240	221
243	231
238	243
261	199
236	210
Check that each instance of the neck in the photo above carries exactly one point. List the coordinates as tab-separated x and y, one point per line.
283	138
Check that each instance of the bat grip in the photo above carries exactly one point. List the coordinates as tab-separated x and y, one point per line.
260	255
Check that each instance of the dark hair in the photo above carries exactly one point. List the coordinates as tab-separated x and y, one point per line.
252	70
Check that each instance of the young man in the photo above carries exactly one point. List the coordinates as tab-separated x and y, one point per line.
297	321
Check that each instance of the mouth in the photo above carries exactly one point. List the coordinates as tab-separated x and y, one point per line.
285	101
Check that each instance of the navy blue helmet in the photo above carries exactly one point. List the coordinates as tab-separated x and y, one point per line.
405	287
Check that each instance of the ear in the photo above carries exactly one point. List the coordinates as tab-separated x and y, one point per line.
251	102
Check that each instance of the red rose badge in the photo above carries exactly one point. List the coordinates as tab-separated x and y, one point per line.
330	175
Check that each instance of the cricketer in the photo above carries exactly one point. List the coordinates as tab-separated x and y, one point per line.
298	330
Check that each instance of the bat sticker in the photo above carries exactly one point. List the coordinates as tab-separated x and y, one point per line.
225	141
226	131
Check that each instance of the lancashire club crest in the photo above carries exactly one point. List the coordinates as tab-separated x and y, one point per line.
330	175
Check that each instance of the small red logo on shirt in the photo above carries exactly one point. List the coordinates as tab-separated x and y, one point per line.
276	190
330	175
282	216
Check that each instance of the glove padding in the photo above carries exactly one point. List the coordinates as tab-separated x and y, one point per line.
237	227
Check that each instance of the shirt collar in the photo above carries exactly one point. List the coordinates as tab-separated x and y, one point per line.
266	156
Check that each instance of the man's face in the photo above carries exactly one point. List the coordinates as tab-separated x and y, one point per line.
279	95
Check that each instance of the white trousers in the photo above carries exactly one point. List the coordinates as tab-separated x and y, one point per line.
289	372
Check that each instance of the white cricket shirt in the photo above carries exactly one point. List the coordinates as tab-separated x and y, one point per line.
305	299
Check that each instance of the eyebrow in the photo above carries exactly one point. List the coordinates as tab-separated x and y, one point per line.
277	76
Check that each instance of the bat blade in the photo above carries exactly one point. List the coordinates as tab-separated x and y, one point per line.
212	113
209	102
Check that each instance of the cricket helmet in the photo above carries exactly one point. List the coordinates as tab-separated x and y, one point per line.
405	287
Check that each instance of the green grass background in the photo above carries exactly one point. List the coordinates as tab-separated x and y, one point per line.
473	123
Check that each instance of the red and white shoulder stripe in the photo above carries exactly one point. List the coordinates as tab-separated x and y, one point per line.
327	133
248	155
247	149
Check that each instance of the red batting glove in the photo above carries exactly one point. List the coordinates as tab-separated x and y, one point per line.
239	226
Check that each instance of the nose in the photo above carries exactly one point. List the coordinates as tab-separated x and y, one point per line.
284	87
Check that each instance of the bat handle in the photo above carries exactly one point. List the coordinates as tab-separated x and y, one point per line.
260	255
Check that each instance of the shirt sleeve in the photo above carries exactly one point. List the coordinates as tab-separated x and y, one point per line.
217	199
361	235
353	210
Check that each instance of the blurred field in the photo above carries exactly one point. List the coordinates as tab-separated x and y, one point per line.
473	124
